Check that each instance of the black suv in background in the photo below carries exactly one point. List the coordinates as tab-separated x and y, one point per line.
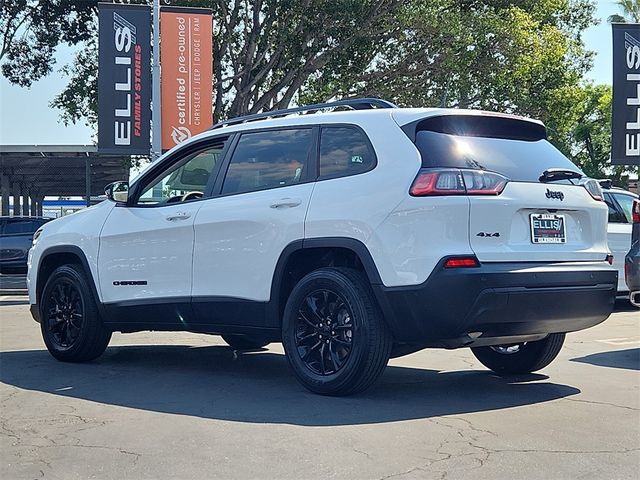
632	260
16	235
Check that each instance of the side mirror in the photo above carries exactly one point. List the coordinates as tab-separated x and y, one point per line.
117	192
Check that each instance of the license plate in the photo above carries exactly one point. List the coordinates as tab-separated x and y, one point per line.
547	228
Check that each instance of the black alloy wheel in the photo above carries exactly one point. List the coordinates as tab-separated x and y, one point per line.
520	358
65	314
324	332
70	322
333	333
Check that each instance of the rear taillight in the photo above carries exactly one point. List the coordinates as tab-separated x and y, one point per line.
479	182
635	211
452	181
593	187
462	262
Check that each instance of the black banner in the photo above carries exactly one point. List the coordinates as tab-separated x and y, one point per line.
625	128
124	79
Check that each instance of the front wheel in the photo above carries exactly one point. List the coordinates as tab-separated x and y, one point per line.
71	326
520	358
334	336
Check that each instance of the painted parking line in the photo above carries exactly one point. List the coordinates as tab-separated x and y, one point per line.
621	341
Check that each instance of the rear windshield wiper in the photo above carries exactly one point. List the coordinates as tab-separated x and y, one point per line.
555	174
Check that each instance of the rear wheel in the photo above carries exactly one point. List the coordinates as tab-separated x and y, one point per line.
71	326
520	358
333	332
244	342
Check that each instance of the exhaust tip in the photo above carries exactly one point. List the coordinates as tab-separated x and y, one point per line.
634	298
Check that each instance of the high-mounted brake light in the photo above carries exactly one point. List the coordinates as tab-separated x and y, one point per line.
635	211
462	262
453	181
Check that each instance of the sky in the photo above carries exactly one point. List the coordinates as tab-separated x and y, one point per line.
26	117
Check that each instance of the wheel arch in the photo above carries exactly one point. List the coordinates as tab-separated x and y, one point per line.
56	256
303	256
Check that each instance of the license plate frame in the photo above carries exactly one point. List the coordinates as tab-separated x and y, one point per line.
546	230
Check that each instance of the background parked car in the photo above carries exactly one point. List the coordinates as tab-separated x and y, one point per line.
632	260
620	203
16	235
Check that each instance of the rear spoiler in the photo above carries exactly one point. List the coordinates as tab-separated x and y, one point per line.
487	126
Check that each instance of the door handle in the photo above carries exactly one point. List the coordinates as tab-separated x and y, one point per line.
286	203
178	216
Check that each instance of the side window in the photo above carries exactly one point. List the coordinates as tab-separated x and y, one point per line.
188	176
264	160
15	227
615	215
626	202
344	151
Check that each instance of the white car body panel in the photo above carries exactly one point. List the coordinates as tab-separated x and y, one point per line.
619	238
355	206
508	214
417	235
239	239
143	244
82	230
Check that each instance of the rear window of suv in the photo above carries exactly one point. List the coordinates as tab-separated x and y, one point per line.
344	151
514	148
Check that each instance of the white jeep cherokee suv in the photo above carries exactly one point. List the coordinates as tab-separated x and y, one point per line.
350	236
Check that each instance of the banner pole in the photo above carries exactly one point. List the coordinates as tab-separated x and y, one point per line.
156	133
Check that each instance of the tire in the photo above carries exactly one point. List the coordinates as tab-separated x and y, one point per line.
75	333
343	358
529	357
244	342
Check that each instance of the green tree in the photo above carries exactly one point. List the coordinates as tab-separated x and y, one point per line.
524	57
592	135
630	12
264	50
31	30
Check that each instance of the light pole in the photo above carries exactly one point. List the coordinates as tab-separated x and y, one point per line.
156	131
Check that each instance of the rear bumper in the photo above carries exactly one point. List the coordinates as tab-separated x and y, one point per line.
465	306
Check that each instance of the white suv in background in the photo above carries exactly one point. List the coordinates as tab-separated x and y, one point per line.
620	204
349	236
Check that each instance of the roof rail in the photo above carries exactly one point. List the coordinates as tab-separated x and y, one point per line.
355	103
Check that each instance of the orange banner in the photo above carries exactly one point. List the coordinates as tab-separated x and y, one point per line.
186	60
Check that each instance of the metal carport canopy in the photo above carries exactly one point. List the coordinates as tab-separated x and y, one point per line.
61	170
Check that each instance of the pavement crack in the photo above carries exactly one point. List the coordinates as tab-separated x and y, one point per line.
595	402
399	474
363	453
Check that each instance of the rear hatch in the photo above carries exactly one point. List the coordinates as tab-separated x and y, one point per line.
517	212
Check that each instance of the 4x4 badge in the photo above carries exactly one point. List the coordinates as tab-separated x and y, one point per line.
552	194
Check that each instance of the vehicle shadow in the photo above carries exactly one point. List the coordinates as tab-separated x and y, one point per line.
624	305
628	359
211	382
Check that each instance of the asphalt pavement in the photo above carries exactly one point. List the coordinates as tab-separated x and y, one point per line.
180	405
